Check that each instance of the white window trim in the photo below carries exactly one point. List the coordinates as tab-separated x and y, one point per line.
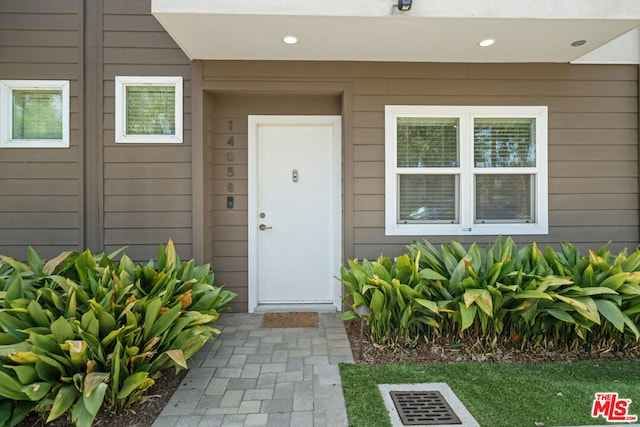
6	108
466	226
121	111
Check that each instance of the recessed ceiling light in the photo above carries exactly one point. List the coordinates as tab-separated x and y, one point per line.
290	40
486	42
578	43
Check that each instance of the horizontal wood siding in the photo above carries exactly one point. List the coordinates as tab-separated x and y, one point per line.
593	147
593	138
147	187
226	117
41	188
144	191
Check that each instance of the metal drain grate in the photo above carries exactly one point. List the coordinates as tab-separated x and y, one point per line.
423	408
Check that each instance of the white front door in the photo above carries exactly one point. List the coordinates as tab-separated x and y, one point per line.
294	210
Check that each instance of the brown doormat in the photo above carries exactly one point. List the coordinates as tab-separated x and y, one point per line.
303	319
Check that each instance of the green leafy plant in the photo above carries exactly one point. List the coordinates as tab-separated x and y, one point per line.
392	293
81	331
500	292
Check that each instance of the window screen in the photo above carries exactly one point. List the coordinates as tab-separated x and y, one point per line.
36	114
151	110
504	142
427	142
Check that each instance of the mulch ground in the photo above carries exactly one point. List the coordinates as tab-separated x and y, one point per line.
142	414
465	350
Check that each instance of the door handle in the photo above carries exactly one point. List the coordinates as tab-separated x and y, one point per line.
264	227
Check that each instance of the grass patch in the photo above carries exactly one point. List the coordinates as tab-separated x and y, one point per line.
499	394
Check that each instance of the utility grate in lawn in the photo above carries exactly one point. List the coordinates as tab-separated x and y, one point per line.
425	404
423	408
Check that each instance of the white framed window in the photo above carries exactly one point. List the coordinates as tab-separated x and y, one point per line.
34	113
455	170
148	109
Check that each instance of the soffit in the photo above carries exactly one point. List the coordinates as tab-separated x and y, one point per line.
374	30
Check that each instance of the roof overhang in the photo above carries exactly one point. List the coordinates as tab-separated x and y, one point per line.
375	30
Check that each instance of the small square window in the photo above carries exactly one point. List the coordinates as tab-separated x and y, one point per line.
149	109
34	113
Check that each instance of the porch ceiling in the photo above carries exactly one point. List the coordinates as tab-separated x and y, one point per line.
374	30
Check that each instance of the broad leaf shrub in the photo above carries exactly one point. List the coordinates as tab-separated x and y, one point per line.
523	296
82	331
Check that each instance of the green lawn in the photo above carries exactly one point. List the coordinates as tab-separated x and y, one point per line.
500	394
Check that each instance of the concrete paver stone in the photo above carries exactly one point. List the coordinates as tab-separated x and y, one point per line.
250	376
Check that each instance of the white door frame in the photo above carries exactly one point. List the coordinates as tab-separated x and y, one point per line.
336	185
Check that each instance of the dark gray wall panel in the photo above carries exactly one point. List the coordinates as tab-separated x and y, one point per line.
41	188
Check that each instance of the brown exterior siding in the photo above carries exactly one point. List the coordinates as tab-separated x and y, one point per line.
41	190
96	193
593	137
104	195
146	187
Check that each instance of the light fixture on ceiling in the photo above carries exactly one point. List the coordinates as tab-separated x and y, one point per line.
578	43
486	42
290	40
404	5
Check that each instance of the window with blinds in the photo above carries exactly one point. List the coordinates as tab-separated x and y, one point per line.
505	145
427	198
149	109
504	198
426	146
35	113
465	170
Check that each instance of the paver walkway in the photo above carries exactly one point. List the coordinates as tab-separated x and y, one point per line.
249	376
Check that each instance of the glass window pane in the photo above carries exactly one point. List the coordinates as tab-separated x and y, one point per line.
428	198
504	198
504	143
427	142
36	114
151	110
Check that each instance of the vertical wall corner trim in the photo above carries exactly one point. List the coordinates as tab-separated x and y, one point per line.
198	158
638	77
92	139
